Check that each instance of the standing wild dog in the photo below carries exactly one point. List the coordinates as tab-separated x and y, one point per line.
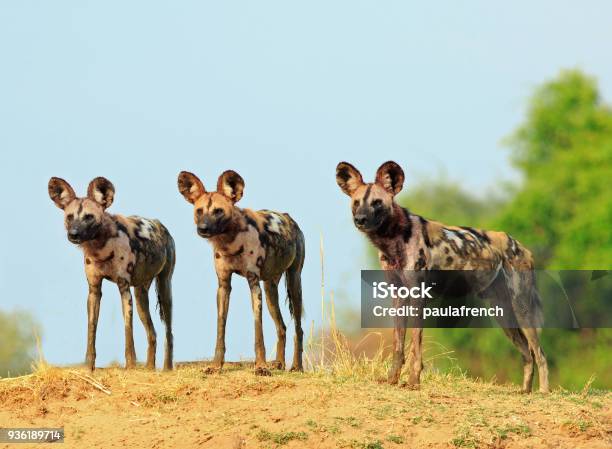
259	245
130	251
406	241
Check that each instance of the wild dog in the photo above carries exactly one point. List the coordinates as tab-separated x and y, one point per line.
406	241
258	245
129	251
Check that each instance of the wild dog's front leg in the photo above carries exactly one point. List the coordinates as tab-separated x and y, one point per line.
415	358
260	349
415	352
223	296
93	311
128	318
399	339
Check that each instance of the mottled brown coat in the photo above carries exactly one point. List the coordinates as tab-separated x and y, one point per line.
498	264
258	245
129	251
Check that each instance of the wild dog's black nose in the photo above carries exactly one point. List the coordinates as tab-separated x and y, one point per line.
203	229
74	236
360	220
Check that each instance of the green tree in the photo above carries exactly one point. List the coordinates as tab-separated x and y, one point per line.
563	212
446	200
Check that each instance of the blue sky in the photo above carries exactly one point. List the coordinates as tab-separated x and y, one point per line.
278	91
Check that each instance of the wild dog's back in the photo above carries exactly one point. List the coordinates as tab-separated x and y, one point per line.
281	238
151	243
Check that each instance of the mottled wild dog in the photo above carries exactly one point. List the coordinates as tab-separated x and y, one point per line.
129	251
406	241
259	245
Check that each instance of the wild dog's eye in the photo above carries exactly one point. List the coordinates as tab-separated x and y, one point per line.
88	217
355	203
377	203
218	211
199	211
70	217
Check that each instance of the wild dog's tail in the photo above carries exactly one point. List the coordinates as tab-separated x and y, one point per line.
163	287
163	283
526	302
293	283
536	307
293	280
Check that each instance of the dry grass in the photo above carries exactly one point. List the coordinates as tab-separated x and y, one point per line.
320	409
332	353
336	403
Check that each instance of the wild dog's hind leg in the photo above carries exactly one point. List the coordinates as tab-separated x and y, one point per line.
142	306
271	290
260	348
93	312
498	294
518	338
528	310
533	338
128	314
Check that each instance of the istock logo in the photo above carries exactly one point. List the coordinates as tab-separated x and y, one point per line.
384	290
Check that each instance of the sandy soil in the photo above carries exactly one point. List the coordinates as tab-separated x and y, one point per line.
235	409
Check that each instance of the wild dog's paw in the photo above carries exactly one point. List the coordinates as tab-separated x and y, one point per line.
409	386
90	362
297	369
277	365
262	371
212	370
150	365
130	364
394	376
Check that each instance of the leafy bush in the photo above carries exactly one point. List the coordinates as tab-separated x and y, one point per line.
18	334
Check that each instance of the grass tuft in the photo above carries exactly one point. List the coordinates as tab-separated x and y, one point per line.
281	438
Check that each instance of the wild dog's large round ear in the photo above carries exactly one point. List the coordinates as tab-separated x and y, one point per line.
390	176
190	186
60	192
231	185
348	178
102	191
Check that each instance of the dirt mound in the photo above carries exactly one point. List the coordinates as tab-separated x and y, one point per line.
235	409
